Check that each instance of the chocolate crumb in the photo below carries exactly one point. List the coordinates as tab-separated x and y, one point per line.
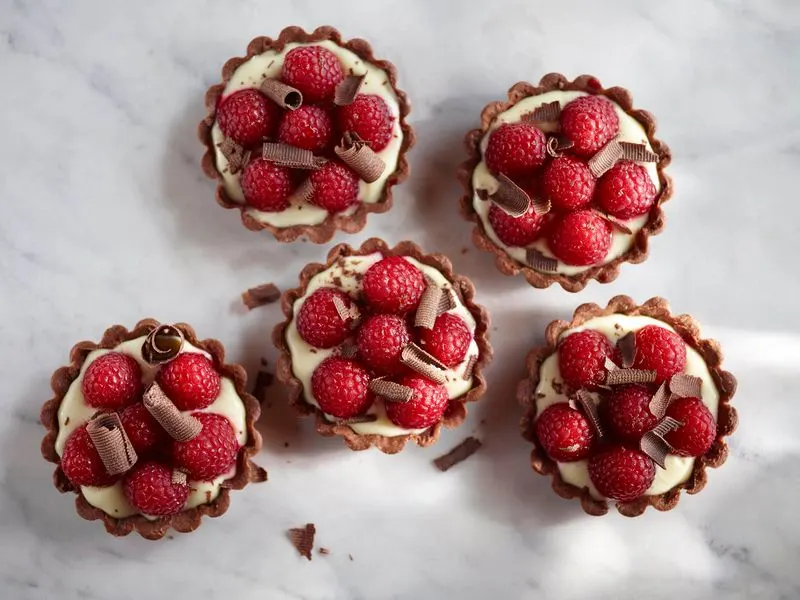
303	539
458	454
324	551
464	250
350	556
263	294
208	496
285	444
66	421
470	367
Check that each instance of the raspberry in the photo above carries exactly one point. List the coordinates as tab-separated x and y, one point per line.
424	409
626	190
190	381
341	387
318	321
369	117
335	187
627	412
699	429
150	489
112	381
516	231
211	453
568	183
393	285
589	122
81	463
515	150
247	117
308	127
581	359
448	340
314	71
580	238
564	433
380	341
621	473
266	186
143	430
660	350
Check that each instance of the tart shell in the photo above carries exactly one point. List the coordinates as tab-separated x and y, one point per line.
456	411
187	520
689	330
603	273
324	231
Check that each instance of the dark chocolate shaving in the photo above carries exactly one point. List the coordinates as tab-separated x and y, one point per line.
660	401
261	295
510	197
345	312
303	192
458	454
637	152
610	365
470	367
540	262
281	94
627	347
235	154
390	390
435	301
589	408
180	478
545	117
541	206
358	419
606	157
303	539
626	376
292	156
162	345
324	551
111	442
556	146
615	223
180	426
419	361
653	443
686	386
347	89
356	154
348	350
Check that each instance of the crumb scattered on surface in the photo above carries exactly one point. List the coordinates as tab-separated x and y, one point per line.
350	556
458	454
324	551
303	539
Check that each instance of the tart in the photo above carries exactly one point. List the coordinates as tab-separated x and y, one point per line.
627	403
151	429
383	345
565	181
306	134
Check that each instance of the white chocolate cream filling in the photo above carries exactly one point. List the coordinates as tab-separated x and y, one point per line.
306	358
74	412
630	130
678	468
268	65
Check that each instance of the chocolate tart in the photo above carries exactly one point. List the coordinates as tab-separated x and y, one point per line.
187	520
688	329
456	410
322	232
604	273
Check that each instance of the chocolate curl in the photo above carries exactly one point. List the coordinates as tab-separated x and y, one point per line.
292	156
660	401
458	454
260	295
347	89
606	157
627	347
281	94
346	312
686	386
586	402
557	145
348	350
435	301
653	443
546	116
111	442
416	359
162	345
541	206
179	477
358	419
356	154
391	391
303	539
510	197
615	223
626	376
235	154
540	262
637	152
303	192
610	365
470	367
181	427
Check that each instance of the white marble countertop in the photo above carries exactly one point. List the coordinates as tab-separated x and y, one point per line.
105	218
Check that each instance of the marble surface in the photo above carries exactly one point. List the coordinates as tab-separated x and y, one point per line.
105	218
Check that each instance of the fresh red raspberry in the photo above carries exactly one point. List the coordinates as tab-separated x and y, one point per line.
564	433
580	238
370	118
582	357
81	463
621	473
309	127
341	387
266	186
516	231
143	430
314	71
448	340
209	454
589	122
318	321
335	187
112	381
423	410
627	412
150	489
568	183
699	429
515	150
247	117
380	341
393	285
190	381
660	350
626	190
